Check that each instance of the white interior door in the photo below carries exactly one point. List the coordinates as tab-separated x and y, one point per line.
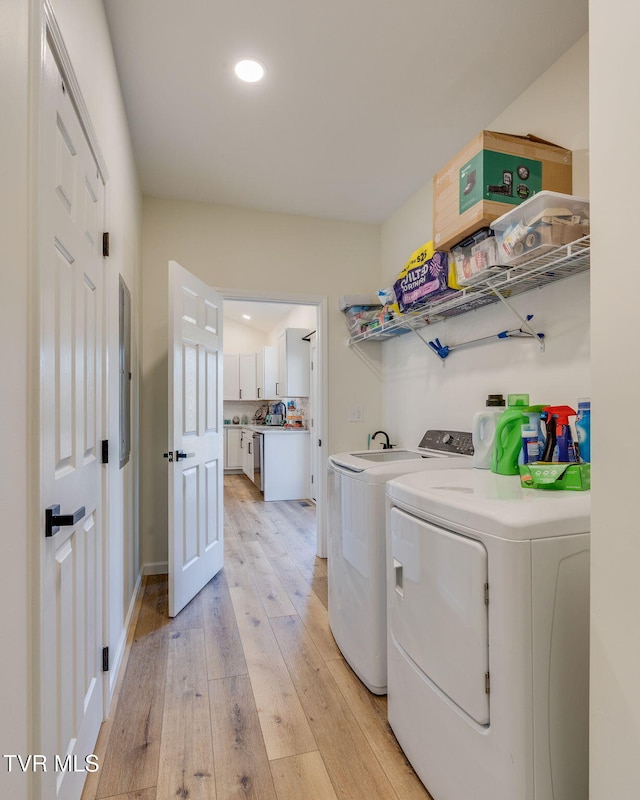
71	300
196	436
314	417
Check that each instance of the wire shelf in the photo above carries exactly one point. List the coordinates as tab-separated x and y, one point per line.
533	273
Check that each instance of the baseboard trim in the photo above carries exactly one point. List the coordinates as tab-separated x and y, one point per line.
156	568
114	667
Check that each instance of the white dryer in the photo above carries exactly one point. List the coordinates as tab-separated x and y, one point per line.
356	543
488	624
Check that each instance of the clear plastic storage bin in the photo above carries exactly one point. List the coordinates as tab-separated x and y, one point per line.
540	224
474	256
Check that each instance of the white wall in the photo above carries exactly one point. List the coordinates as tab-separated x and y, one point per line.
238	338
615	280
262	253
420	392
15	590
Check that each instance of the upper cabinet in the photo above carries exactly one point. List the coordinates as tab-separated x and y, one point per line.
231	377
267	372
248	383
240	376
293	363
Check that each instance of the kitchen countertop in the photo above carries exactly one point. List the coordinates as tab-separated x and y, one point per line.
269	428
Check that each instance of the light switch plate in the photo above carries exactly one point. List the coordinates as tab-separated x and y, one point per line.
356	414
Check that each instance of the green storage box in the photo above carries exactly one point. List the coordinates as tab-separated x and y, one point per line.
556	475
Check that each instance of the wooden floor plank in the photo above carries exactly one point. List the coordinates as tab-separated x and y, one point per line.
240	757
284	726
186	754
352	766
308	607
371	712
224	653
93	778
320	585
131	759
273	596
139	794
302	778
235	568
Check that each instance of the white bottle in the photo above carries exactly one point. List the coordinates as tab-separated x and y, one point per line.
483	431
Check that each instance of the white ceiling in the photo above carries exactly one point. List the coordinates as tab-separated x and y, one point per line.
361	104
265	315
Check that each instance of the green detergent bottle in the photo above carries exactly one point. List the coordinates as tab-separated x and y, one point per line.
508	439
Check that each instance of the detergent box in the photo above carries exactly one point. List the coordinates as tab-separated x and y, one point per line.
556	475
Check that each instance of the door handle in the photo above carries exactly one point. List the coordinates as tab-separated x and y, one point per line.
180	455
53	520
397	569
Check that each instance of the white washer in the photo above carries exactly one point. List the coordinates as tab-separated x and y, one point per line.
488	622
356	543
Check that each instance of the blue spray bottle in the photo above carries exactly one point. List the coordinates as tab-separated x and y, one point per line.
583	429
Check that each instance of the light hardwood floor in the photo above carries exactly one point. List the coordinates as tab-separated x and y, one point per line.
245	693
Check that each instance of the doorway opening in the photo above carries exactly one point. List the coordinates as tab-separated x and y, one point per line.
255	322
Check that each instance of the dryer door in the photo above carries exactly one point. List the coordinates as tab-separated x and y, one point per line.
438	611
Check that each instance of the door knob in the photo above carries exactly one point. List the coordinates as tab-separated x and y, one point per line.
53	520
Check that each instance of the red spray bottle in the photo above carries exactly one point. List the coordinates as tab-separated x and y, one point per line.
558	434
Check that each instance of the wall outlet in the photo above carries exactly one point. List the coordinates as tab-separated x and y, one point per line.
356	414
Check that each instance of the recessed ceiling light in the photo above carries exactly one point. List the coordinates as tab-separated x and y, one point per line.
249	70
246	316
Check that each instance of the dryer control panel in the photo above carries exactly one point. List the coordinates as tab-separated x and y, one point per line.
454	442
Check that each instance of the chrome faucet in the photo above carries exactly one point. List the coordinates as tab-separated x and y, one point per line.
385	445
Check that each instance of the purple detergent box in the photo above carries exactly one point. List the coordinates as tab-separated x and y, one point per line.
422	283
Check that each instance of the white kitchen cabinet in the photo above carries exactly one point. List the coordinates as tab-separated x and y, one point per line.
247	367
232	450
246	446
267	372
239	376
293	363
231	377
286	465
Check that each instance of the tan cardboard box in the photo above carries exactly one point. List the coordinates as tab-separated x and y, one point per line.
491	175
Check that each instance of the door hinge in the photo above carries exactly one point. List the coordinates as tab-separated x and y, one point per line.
319	442
105	451
312	479
105	244
486	594
105	659
487	683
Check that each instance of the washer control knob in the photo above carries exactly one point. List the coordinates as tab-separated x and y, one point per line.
447	438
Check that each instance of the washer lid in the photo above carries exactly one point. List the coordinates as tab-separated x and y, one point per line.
367	459
478	500
369	471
